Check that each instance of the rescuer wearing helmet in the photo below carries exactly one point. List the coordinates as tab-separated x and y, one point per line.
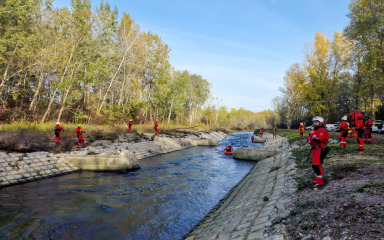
301	129
368	129
359	131
79	134
318	140
344	129
58	129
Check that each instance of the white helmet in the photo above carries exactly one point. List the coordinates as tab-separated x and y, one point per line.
317	118
57	123
345	118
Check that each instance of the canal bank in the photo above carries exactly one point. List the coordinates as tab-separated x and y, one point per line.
257	207
103	155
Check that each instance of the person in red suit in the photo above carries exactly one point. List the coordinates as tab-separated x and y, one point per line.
301	129
252	138
156	126
58	130
274	131
368	130
344	129
359	129
79	134
129	125
261	132
318	141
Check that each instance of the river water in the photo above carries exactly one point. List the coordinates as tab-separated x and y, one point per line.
163	200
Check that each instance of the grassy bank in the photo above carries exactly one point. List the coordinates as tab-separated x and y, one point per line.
30	137
350	206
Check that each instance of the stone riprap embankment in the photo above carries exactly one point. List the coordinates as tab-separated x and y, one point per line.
255	208
25	167
98	156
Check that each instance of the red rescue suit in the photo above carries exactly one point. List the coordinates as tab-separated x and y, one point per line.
57	134
274	132
359	131
318	141
156	125
252	138
368	131
352	122
301	129
344	128
261	132
129	126
79	134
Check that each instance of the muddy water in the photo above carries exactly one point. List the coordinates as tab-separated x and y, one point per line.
163	200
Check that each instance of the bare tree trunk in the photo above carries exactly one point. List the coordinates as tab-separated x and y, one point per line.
170	112
63	104
52	97
35	96
113	78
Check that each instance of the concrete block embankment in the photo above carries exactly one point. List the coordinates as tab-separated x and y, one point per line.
256	204
25	167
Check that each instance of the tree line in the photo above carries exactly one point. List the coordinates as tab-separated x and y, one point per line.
338	75
65	63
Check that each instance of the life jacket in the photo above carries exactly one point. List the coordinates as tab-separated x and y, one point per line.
319	137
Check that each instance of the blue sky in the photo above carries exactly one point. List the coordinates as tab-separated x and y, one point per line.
243	47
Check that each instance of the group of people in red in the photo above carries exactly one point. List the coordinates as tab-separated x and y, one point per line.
261	133
79	132
358	126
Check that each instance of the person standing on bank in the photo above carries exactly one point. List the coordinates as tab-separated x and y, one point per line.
156	125
129	125
274	131
58	129
344	129
318	141
368	130
301	129
79	134
359	129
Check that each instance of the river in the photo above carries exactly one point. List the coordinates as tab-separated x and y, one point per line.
169	195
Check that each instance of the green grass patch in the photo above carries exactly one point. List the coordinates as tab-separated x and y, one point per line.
301	156
343	169
292	135
372	185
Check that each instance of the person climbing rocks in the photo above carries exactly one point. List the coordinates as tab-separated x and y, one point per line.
129	125
79	134
344	130
368	129
359	129
156	126
261	132
274	131
301	129
58	129
318	141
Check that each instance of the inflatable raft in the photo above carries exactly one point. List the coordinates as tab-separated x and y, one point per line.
229	153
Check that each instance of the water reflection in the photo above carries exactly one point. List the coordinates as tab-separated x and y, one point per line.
162	200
